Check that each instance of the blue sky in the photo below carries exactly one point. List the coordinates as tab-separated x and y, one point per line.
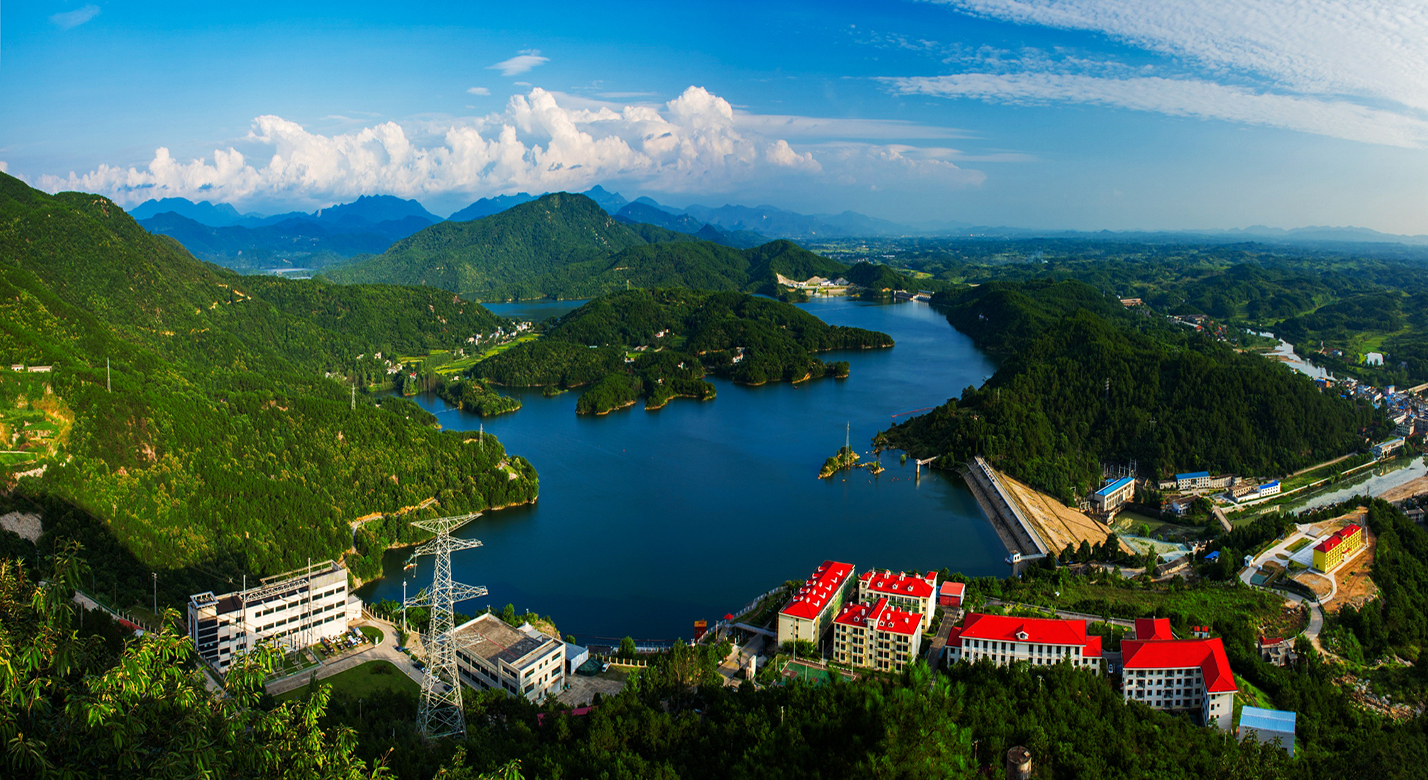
1085	114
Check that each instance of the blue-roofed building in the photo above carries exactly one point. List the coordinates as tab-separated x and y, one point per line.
1267	489
1110	498
1192	479
1267	726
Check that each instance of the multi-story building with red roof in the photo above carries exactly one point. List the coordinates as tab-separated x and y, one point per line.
1338	547
905	591
877	636
1178	674
1037	641
810	612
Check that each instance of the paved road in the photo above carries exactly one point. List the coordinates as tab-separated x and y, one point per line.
1316	612
939	642
386	651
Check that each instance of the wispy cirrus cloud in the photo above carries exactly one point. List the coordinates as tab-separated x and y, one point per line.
1181	97
70	19
1355	69
520	63
478	91
693	143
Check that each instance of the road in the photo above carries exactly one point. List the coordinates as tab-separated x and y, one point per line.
1316	612
1061	613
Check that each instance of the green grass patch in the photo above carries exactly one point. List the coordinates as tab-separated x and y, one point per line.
1248	695
1299	545
13	458
373	634
363	681
1203	604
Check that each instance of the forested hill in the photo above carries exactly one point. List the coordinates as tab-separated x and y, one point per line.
221	449
1084	382
678	335
565	246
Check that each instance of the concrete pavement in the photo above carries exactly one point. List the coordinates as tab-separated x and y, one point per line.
385	651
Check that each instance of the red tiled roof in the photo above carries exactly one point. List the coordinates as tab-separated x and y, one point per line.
954	639
1208	654
1092	648
825	581
899	583
1337	538
1046	631
880	616
1148	629
954	589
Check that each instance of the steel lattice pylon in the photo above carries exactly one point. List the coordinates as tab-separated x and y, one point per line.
440	714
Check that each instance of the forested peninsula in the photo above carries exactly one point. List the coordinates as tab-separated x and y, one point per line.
661	343
1084	381
565	246
204	425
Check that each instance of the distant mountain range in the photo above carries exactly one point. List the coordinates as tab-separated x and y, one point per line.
567	246
371	224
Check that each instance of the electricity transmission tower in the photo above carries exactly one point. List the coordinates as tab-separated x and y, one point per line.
439	714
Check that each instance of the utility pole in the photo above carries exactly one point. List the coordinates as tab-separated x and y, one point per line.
156	595
108	384
404	606
354	395
439	713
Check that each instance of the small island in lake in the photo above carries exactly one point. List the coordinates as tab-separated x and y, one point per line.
660	344
845	459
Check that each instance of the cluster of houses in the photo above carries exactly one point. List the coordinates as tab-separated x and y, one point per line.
22	368
877	620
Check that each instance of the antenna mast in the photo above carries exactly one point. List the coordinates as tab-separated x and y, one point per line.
439	714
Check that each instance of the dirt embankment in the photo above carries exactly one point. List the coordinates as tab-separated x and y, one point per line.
1056	523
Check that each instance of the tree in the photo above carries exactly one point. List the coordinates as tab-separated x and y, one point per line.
627	648
65	712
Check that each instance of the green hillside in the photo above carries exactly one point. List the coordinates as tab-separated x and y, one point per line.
221	449
565	246
1085	381
677	336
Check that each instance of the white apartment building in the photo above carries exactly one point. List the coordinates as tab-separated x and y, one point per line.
903	591
520	661
1178	674
877	636
809	613
296	609
1037	641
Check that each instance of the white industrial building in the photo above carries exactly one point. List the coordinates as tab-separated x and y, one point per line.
296	609
520	661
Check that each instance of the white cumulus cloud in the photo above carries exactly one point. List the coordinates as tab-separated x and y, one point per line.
520	63
478	91
693	143
71	19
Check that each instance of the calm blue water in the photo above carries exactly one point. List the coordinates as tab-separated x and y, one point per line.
648	521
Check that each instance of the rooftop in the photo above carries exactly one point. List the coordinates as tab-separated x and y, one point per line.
1193	475
1207	654
1115	486
1048	631
899	583
815	594
491	638
954	588
880	616
1153	629
1337	538
1262	719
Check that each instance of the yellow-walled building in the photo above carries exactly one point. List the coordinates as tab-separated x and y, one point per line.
1332	552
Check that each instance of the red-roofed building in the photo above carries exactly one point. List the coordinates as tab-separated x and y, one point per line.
1037	641
809	613
1338	547
904	591
1180	674
1153	629
951	594
877	636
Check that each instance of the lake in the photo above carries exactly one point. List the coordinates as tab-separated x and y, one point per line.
648	521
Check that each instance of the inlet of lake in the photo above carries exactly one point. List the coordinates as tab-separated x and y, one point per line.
648	521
